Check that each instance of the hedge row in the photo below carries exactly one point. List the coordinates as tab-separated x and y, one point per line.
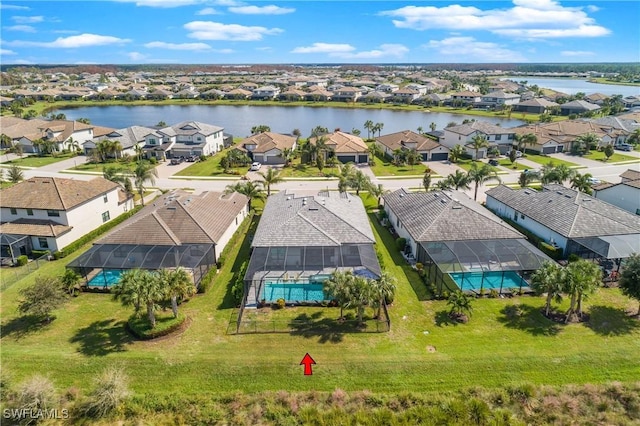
141	329
80	242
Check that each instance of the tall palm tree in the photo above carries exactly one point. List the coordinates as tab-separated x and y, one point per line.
250	189
177	285
384	288
549	279
582	182
337	287
346	174
369	126
128	289
73	145
477	143
359	181
563	173
426	181
582	279
526	178
362	295
480	175
139	151
151	293
272	177
141	174
459	180
456	153
15	175
374	151
529	140
377	191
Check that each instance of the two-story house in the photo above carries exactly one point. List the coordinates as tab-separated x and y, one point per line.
46	213
265	92
186	139
498	99
463	134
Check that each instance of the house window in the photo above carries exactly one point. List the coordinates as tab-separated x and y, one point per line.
14	211
105	198
521	216
43	243
152	141
29	212
105	216
53	213
498	137
199	139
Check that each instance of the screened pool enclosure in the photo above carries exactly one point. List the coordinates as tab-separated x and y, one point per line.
102	264
480	265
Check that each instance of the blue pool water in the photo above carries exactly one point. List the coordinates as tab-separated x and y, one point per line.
293	292
106	278
474	280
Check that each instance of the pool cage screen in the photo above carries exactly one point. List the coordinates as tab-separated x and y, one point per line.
440	258
197	258
303	264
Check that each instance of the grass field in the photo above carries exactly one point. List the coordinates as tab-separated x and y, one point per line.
507	341
505	162
38	161
211	167
615	158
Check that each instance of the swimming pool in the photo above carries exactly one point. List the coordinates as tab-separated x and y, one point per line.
106	278
292	292
492	280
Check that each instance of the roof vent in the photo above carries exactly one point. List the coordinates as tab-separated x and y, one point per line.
401	194
443	201
559	192
435	194
526	191
171	208
456	206
567	196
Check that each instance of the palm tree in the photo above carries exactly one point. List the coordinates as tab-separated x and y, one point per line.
384	288
433	126
369	126
426	181
362	295
456	153
480	175
529	140
15	175
337	287
128	289
287	154
151	292
526	178
459	180
377	191
139	150
374	151
583	143
346	174
582	279
460	304
634	137
420	129
73	145
359	181
582	182
249	189
477	143
549	279
177	285
260	129
272	177
142	173
563	172
378	127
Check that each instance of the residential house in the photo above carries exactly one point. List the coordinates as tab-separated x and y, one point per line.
48	213
292	94
304	239
129	139
346	147
267	147
179	229
265	92
63	134
559	136
428	148
535	106
347	94
596	98
460	243
464	97
625	194
318	94
618	128
572	221
374	97
191	138
406	95
578	107
238	94
498	99
463	134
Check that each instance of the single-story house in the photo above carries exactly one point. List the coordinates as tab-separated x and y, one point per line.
569	220
346	147
49	213
460	244
578	107
535	106
429	149
267	147
625	194
301	240
179	229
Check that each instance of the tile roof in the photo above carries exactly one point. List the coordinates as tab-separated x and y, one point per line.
568	212
190	128
52	193
342	142
128	137
267	141
399	139
479	126
180	218
327	219
446	216
630	174
34	227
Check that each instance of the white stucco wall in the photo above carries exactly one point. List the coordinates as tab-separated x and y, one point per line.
233	227
400	229
623	196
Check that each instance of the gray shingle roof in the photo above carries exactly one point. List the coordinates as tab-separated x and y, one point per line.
568	212
328	219
446	216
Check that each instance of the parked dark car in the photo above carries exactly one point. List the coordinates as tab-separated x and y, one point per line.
192	158
177	160
493	162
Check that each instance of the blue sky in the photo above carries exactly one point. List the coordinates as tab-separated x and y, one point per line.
233	31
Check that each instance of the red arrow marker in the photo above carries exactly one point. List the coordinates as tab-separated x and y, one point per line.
307	361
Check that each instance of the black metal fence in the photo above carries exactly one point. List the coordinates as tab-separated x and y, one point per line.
10	275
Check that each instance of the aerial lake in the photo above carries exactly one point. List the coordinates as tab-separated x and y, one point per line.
571	86
238	120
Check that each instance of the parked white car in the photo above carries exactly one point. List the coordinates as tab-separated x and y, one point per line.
594	181
255	167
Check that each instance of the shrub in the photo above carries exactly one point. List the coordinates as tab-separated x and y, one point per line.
207	280
141	328
401	243
573	258
39	253
37	393
153	160
22	260
203	157
110	392
280	304
493	293
57	254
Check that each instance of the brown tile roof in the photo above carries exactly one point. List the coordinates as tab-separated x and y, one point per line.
53	193
180	218
630	175
400	139
34	227
267	141
342	142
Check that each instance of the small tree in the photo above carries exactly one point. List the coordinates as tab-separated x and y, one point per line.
15	174
460	304
582	278
630	278
42	298
70	281
512	156
608	151
426	181
548	279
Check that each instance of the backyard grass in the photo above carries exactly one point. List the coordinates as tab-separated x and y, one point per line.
39	161
544	160
385	168
615	158
506	342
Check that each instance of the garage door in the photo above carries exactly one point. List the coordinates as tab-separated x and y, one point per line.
548	149
347	158
439	156
425	156
363	158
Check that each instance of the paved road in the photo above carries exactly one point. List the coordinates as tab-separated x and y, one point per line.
603	171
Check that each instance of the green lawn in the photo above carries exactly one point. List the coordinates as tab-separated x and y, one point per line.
507	341
385	168
38	161
505	162
544	160
211	167
299	170
615	158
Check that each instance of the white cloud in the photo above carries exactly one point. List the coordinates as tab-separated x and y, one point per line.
136	56
471	50
177	46
224	51
261	10
593	8
28	19
65	32
165	4
227	3
23	62
13	7
23	28
205	30
527	18
82	40
577	53
7	52
325	48
207	11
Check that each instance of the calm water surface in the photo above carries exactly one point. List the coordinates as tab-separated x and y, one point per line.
572	86
238	120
